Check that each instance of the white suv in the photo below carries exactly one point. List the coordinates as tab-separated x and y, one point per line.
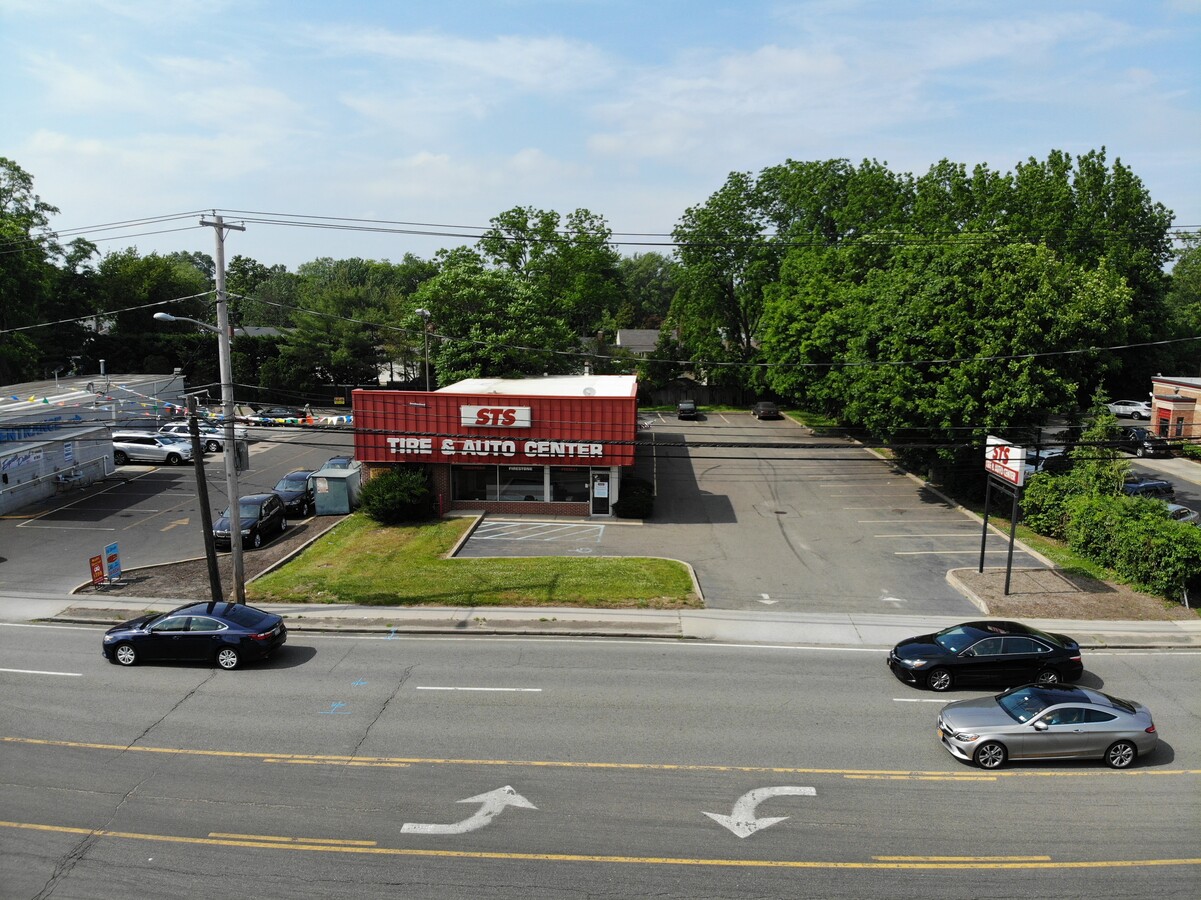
143	446
1135	409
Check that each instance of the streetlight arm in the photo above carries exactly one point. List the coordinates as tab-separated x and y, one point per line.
167	317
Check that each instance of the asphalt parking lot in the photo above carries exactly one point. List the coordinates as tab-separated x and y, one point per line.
770	515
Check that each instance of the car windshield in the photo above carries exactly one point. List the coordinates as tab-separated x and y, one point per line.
291	483
1023	704
956	638
245	511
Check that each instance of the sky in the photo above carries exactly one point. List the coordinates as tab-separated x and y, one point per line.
428	115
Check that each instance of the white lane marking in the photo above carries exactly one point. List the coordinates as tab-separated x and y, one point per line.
492	804
49	625
33	524
917	700
901	521
949	552
36	672
422	687
960	534
743	822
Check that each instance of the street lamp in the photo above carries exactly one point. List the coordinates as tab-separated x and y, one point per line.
230	451
425	314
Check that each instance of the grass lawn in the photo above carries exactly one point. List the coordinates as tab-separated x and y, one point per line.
360	562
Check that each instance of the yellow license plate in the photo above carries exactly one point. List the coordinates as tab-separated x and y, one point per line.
939	734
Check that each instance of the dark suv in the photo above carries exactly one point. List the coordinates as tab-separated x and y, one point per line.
259	515
1142	442
686	409
297	491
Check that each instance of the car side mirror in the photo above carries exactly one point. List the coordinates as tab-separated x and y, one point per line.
1041	725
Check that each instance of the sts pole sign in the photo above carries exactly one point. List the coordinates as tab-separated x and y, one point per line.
1005	460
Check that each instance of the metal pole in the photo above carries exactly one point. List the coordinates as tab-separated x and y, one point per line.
206	513
230	454
1013	531
427	356
984	529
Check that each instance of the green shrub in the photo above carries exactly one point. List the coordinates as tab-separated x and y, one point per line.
1188	451
1045	504
398	495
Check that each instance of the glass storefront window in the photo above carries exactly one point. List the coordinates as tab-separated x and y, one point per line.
474	482
521	483
569	484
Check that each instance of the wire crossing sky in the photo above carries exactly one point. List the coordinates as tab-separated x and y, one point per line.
424	112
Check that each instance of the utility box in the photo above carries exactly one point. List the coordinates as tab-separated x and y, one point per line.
337	490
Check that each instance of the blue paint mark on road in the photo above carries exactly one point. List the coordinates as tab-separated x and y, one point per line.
392	636
358	683
336	709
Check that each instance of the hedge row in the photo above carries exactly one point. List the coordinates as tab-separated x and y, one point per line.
1130	535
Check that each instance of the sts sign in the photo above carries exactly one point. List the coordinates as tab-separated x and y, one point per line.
494	416
1005	460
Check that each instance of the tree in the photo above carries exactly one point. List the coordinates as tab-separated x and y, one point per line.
650	282
26	271
726	264
491	323
1184	308
573	269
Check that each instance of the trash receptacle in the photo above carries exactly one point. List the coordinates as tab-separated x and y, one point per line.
337	490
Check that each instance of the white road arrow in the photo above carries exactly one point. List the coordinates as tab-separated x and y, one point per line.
492	803
743	822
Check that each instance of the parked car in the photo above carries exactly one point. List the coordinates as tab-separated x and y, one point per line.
339	462
212	438
260	516
1047	722
1183	514
766	410
278	415
1135	409
1148	486
1142	442
144	446
297	491
686	409
225	633
986	653
1052	460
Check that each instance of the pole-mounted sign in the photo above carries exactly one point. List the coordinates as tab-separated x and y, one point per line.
1005	460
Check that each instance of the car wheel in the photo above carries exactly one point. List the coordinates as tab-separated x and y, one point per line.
1136	415
1048	676
283	525
120	458
256	541
212	446
1140	452
990	755
939	680
125	654
307	511
228	658
174	459
1121	755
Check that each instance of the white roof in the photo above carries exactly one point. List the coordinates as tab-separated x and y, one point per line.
549	386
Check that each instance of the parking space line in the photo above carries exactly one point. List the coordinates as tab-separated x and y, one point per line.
949	552
964	534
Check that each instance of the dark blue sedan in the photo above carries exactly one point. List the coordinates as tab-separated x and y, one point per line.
225	633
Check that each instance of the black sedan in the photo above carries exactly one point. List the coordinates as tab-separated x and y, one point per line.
986	653
259	517
298	493
225	633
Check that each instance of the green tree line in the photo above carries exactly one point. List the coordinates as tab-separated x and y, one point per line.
926	310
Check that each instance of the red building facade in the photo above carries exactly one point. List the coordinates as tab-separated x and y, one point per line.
548	445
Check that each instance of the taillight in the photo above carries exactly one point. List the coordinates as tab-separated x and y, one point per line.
1075	659
1150	729
262	636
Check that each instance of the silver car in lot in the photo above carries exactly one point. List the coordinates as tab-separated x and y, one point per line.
1047	722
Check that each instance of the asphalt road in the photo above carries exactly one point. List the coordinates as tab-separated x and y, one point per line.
516	768
151	512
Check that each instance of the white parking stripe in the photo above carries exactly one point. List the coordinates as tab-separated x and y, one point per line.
949	552
421	687
35	672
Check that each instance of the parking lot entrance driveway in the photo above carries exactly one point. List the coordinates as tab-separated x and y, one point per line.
771	516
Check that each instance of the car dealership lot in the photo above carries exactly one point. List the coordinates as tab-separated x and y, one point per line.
151	512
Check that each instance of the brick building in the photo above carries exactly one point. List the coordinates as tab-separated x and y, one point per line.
553	446
1174	407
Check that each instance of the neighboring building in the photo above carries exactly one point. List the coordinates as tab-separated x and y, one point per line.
1174	407
56	433
555	445
639	341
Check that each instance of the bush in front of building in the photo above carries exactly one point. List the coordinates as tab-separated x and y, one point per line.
637	499
397	495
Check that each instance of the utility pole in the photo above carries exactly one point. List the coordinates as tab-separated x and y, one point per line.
206	513
230	452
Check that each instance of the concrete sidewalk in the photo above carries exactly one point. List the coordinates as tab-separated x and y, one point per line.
711	625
